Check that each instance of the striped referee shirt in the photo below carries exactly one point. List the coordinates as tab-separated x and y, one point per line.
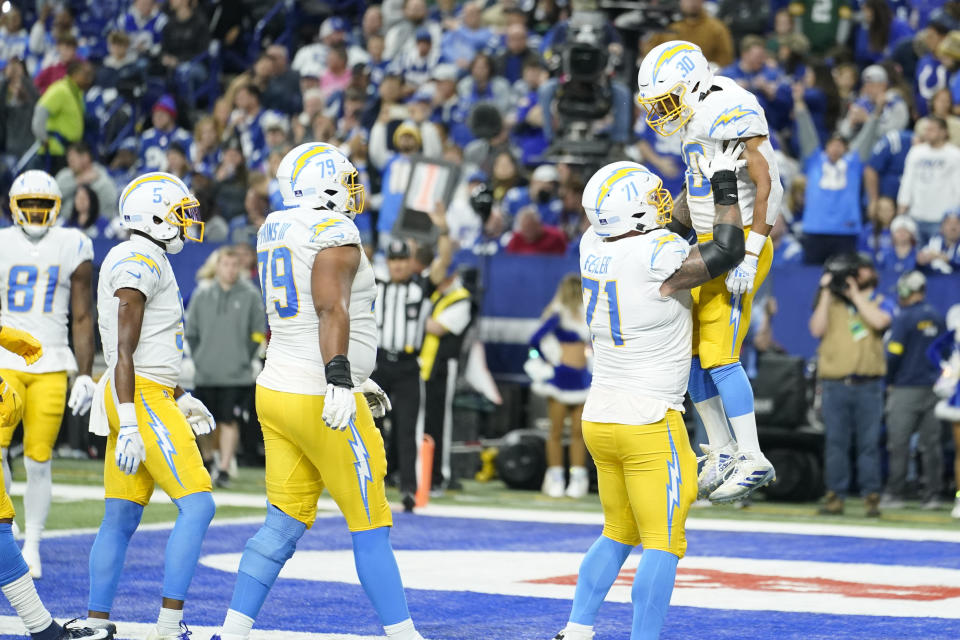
401	312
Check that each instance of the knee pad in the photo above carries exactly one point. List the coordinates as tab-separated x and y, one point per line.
198	506
701	385
274	544
122	516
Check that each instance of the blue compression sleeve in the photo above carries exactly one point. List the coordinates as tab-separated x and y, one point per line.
12	565
120	520
701	385
265	554
598	571
735	389
183	546
652	587
379	574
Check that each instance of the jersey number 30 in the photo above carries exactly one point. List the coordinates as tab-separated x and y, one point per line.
23	281
610	288
279	264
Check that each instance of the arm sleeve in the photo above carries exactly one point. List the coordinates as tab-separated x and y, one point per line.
906	182
547	327
880	155
863	143
806	133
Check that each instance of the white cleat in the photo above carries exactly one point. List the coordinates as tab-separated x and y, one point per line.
31	555
579	483
956	509
183	634
718	464
553	482
751	472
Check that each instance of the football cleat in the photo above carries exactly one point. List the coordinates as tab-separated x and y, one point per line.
183	634
718	464
751	472
579	483
92	633
31	555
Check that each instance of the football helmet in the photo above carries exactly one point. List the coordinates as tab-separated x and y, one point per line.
35	202
161	206
626	196
316	175
670	81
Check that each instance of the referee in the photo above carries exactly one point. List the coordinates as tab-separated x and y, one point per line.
402	309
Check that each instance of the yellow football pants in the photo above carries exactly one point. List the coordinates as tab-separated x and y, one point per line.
720	319
12	408
304	455
173	459
648	480
44	397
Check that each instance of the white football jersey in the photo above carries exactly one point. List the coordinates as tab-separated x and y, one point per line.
35	292
728	113
287	244
641	340
140	264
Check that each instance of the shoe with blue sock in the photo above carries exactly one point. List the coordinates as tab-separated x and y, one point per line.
752	472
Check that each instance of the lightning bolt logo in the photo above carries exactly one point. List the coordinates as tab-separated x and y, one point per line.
613	179
662	241
735	301
320	227
673	486
361	464
163	439
668	54
301	162
730	115
139	258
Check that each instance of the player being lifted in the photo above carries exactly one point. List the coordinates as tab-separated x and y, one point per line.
635	274
318	432
682	96
15	580
43	269
148	419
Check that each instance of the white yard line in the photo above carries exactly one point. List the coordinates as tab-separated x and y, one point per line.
67	492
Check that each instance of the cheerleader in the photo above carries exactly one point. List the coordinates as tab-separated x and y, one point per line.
558	366
945	352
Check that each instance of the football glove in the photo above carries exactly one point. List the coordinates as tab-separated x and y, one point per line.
199	417
21	343
81	396
11	407
130	448
740	279
339	407
376	398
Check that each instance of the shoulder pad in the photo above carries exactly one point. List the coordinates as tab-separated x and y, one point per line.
332	231
736	115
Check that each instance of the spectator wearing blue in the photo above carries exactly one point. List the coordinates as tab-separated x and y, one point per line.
755	72
418	63
419	107
832	215
449	109
154	141
249	120
122	68
879	32
400	36
875	238
884	170
204	150
910	398
543	193
144	23
931	74
461	45
663	153
312	59
527	133
395	177
14	41
483	86
786	248
942	253
511	60
901	257
876	100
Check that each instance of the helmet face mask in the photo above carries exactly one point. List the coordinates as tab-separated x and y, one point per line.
35	202
159	206
356	194
624	197
667	112
671	79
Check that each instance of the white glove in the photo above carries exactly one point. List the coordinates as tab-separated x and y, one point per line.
199	417
130	448
376	397
726	159
339	407
740	279
81	396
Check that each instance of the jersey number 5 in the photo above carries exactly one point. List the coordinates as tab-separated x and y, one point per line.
21	285
592	287
279	263
697	184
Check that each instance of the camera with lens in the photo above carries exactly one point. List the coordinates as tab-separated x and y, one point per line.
844	266
481	201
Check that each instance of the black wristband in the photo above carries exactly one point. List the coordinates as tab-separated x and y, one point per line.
724	185
337	372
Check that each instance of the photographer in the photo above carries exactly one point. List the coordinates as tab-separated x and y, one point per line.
849	318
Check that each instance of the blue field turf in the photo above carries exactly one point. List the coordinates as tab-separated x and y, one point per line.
445	615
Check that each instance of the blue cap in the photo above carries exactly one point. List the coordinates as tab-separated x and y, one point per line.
424	34
477	176
422	94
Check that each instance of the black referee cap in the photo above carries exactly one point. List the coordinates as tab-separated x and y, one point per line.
398	249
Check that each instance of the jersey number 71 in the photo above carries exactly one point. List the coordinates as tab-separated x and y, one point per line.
592	287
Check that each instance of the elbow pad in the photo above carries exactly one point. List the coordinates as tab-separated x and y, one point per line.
725	251
724	185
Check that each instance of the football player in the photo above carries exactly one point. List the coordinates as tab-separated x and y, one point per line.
682	97
635	275
45	271
149	421
319	291
15	580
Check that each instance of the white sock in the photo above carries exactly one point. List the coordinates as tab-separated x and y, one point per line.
7	475
236	626
574	631
745	429
36	500
714	421
402	631
24	599
96	623
168	622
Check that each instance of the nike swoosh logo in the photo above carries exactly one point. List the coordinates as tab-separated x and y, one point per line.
135	275
742	131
